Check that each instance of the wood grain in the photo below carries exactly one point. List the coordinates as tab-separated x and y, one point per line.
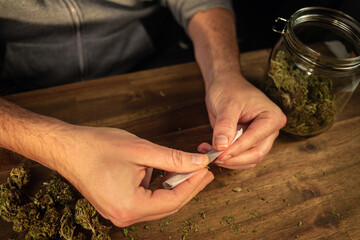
314	181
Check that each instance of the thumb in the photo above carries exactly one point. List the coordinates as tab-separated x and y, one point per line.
225	128
173	160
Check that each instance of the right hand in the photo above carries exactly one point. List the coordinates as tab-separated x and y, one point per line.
109	167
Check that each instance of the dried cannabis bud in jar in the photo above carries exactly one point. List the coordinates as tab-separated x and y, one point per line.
306	98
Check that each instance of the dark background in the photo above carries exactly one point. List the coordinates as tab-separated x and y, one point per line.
254	21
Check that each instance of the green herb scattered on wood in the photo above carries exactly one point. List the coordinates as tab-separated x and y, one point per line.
337	215
237	189
202	215
258	216
230	220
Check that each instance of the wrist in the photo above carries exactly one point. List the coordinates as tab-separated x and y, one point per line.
32	135
51	141
66	151
227	77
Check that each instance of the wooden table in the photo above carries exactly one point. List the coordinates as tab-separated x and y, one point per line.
306	189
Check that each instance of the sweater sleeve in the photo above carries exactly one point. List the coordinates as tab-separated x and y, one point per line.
183	10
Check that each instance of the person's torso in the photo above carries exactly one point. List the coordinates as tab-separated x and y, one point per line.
45	42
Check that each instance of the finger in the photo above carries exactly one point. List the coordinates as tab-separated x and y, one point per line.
204	147
261	128
252	156
146	180
225	127
172	160
206	180
165	201
242	167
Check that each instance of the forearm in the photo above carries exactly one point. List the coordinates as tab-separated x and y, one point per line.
32	135
214	37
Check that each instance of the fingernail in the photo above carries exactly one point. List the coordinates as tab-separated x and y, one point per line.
221	140
200	159
219	162
227	157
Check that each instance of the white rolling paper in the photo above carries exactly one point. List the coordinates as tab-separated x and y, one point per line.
178	178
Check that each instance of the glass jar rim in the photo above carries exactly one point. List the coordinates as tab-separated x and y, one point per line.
337	19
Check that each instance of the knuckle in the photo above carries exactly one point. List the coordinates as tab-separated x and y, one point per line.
252	166
225	123
176	158
259	156
282	119
141	146
122	217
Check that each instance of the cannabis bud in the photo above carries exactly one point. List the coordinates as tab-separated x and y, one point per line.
101	231
87	217
305	97
84	214
60	190
50	213
19	176
67	227
45	228
56	191
43	199
10	199
26	216
79	236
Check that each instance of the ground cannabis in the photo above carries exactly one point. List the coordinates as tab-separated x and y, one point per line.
53	213
305	97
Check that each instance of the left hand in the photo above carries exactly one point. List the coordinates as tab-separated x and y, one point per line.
232	100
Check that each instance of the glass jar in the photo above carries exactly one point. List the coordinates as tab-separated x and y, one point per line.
314	68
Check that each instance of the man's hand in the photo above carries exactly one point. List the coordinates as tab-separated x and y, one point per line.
110	168
230	101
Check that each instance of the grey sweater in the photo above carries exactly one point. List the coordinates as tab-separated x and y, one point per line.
46	42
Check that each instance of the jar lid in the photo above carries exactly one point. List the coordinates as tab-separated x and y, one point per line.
324	37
